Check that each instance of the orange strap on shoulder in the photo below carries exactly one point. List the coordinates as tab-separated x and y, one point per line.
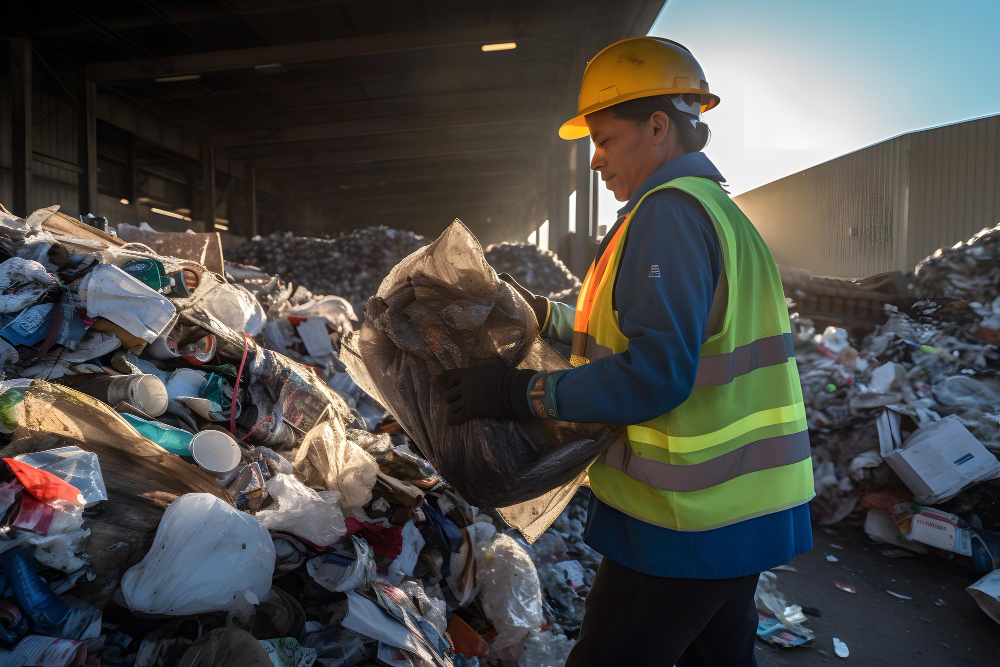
594	275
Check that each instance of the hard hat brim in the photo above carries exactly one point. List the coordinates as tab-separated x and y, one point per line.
576	127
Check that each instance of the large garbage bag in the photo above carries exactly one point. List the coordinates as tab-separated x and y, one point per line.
443	307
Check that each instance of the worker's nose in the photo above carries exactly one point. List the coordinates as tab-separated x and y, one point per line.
597	162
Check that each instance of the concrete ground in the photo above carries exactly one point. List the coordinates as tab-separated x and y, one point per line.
878	628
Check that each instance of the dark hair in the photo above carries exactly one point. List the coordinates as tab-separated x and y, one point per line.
692	138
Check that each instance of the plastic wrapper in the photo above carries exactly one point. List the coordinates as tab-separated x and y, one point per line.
206	556
297	509
338	646
769	600
443	307
23	282
545	649
434	610
511	595
327	459
335	572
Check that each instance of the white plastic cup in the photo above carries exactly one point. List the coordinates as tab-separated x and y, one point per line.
215	451
149	394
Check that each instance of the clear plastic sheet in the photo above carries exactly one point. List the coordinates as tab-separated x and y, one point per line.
327	459
443	307
511	594
434	610
75	466
545	649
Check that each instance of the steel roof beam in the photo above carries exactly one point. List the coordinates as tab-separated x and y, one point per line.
220	61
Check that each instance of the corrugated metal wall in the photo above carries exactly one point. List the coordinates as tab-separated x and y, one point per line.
884	207
954	185
54	135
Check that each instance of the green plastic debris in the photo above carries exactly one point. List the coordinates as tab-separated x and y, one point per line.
10	408
150	272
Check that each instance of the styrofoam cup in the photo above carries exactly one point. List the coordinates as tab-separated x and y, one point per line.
215	451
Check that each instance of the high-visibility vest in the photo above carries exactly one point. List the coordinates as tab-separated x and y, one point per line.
738	446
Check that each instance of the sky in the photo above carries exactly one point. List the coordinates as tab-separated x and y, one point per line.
805	81
808	80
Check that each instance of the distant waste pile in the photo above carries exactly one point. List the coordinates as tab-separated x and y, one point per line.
351	266
539	270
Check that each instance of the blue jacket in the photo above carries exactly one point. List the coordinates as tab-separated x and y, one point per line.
664	317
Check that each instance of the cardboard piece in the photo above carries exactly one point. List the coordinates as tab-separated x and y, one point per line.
203	248
936	461
933	527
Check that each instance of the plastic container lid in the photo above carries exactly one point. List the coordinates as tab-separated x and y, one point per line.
215	451
150	395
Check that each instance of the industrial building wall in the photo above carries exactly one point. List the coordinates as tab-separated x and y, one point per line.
884	207
954	185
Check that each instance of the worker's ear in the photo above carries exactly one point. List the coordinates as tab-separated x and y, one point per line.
660	123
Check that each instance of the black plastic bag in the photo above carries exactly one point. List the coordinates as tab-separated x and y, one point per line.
443	307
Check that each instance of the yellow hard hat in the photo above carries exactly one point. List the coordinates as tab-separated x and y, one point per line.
633	68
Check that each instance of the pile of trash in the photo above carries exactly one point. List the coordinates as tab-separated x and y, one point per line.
190	477
539	270
967	277
905	422
351	266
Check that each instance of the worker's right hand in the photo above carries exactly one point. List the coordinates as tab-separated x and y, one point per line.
539	304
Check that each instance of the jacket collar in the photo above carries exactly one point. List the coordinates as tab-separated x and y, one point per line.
690	164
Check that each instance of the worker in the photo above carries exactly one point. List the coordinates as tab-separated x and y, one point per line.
681	335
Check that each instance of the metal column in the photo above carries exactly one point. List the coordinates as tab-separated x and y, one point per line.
252	203
21	126
582	252
87	145
208	186
558	208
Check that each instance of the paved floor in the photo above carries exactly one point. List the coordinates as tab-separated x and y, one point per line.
878	628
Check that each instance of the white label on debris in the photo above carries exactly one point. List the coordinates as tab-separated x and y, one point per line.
46	652
938	529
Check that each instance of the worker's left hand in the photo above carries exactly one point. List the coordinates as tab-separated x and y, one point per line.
491	390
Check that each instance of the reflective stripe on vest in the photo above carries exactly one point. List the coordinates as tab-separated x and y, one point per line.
717	369
781	450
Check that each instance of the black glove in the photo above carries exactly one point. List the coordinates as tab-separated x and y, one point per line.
490	390
539	304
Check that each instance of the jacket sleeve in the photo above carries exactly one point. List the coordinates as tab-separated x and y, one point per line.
663	297
559	326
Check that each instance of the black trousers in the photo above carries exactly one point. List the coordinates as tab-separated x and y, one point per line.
637	619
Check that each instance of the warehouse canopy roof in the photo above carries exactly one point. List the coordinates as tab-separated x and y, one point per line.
379	110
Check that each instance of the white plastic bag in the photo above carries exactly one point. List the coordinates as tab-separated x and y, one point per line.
511	594
236	307
297	509
206	556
